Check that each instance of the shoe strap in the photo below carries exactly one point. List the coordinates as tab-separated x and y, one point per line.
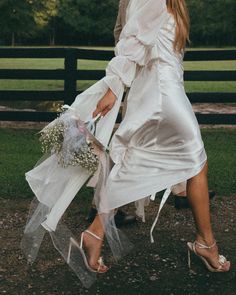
202	246
222	260
92	234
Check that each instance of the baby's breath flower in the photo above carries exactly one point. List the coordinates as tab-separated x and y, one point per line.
68	141
52	137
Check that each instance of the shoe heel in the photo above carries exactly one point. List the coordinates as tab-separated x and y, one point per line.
74	243
69	252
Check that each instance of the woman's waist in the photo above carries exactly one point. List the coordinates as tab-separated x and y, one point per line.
170	73
166	71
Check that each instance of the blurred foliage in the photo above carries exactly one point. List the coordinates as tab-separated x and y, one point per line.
212	22
16	18
25	18
91	22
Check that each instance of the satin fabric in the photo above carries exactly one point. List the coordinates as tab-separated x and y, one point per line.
157	145
137	47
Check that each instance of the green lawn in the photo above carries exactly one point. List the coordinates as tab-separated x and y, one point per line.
23	63
20	150
92	64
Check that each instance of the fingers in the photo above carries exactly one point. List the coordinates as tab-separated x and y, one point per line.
105	111
96	112
100	107
104	105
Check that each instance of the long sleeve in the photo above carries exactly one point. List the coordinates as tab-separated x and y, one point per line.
137	42
136	47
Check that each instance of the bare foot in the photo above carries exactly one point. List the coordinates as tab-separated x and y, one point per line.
92	247
212	256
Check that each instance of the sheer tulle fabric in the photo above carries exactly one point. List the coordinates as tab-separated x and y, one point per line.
44	217
33	237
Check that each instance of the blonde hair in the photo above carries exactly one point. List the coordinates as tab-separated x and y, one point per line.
179	10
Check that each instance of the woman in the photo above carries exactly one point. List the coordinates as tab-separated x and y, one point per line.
159	139
159	128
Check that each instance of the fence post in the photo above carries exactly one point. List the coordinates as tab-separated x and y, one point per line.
70	75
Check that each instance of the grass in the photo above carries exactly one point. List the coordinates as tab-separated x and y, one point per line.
28	142
20	151
23	63
58	63
34	63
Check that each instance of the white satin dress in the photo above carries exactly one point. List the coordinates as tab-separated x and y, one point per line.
158	144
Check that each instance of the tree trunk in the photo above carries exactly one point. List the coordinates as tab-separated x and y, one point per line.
13	39
52	37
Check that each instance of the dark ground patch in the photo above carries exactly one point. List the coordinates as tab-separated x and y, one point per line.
159	268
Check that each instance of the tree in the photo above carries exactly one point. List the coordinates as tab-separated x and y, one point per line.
16	18
45	12
212	22
25	17
92	20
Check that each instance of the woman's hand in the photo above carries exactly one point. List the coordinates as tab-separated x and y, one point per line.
105	104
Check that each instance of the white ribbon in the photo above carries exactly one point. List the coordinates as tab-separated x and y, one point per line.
91	124
163	200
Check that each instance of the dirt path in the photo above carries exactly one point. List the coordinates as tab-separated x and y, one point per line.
159	268
204	108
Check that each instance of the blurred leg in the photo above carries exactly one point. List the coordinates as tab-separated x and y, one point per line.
93	246
197	191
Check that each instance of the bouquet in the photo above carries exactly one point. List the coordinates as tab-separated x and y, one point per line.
72	141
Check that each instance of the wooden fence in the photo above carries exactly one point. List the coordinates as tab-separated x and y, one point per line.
70	74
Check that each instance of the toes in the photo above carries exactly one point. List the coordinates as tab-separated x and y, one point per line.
99	268
103	269
226	266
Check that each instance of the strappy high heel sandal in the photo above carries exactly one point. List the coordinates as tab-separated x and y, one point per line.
192	248
73	242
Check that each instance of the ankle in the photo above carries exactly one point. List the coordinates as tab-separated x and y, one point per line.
207	241
97	231
182	194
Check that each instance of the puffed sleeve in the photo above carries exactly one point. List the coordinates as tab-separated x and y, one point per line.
136	44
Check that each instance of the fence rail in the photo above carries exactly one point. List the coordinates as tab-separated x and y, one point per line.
70	74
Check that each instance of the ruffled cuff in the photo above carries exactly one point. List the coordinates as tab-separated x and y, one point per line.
115	84
122	68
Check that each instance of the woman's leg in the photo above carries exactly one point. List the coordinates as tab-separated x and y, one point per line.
92	245
197	191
